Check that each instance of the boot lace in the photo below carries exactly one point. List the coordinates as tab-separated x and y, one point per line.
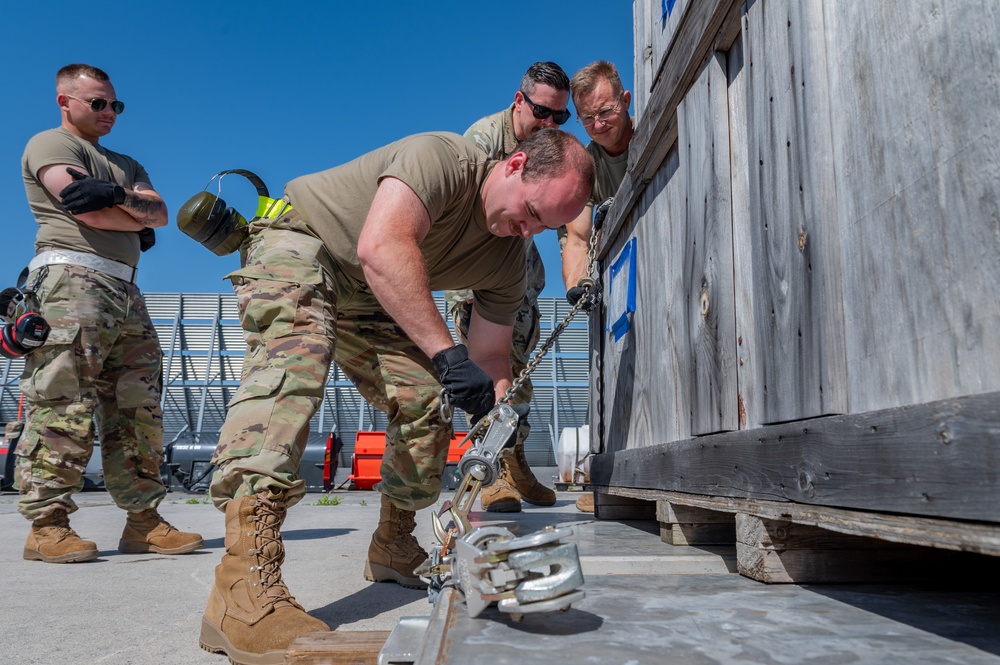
270	551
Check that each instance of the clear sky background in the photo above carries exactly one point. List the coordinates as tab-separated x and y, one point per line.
279	88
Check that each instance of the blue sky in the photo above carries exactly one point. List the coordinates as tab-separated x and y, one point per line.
282	89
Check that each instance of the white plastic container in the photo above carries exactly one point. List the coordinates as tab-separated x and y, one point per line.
572	455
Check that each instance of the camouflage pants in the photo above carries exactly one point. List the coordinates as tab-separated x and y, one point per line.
297	316
97	373
526	334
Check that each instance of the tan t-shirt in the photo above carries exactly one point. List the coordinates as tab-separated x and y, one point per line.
57	229
495	136
609	172
446	172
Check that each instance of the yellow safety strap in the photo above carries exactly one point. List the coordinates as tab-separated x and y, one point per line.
268	208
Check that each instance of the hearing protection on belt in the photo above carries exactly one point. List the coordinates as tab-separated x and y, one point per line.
21	329
206	218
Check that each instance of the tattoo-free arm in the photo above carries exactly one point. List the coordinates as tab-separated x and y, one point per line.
489	347
574	254
389	251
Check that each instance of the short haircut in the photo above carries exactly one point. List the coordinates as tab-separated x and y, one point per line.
548	73
585	80
70	73
551	153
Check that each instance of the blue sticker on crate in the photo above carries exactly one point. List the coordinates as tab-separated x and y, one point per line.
668	6
621	303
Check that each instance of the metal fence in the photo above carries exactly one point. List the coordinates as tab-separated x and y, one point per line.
203	349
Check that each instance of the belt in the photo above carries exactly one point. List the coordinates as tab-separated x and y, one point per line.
122	271
272	208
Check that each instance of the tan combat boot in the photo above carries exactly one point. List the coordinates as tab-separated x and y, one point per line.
516	483
147	531
251	616
395	552
53	541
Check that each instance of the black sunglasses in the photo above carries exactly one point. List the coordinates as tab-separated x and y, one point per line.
543	112
98	104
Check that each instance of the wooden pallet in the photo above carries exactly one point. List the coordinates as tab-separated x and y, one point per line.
339	647
784	542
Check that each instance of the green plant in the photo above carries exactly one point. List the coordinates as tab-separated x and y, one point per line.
328	500
363	502
192	500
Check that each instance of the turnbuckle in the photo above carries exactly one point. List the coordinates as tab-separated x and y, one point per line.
480	467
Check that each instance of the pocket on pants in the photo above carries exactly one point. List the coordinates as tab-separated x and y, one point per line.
54	373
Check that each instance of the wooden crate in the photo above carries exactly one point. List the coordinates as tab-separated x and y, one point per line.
812	194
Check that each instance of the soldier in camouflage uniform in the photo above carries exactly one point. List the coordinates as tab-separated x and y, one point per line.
344	272
539	103
99	370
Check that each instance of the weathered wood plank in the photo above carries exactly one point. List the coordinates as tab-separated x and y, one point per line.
749	410
340	647
780	552
915	95
938	459
701	255
704	25
614	507
686	525
798	347
944	534
642	386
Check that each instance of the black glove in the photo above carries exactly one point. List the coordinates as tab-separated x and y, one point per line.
576	292
147	238
87	194
522	414
469	387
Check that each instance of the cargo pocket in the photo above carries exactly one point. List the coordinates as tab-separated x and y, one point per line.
250	411
281	255
55	377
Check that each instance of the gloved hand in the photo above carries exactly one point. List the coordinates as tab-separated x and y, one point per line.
521	410
576	292
87	194
469	387
147	238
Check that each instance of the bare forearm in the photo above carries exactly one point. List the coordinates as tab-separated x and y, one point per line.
401	287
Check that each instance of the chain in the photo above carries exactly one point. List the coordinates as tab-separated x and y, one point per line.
587	283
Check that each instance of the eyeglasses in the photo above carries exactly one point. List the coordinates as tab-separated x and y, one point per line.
98	104
603	115
542	112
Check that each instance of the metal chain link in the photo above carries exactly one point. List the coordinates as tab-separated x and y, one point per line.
587	283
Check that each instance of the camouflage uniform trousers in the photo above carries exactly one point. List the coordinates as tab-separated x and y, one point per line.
297	316
99	372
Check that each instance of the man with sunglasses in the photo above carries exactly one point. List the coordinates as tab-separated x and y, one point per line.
539	103
602	107
98	372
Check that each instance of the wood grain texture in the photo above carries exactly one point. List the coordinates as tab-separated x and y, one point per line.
341	647
915	98
702	26
979	538
938	460
701	255
644	371
798	346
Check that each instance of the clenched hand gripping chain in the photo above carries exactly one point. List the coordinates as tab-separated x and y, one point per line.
523	575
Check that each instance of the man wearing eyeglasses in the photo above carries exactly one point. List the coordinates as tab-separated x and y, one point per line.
98	372
539	103
346	272
602	106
